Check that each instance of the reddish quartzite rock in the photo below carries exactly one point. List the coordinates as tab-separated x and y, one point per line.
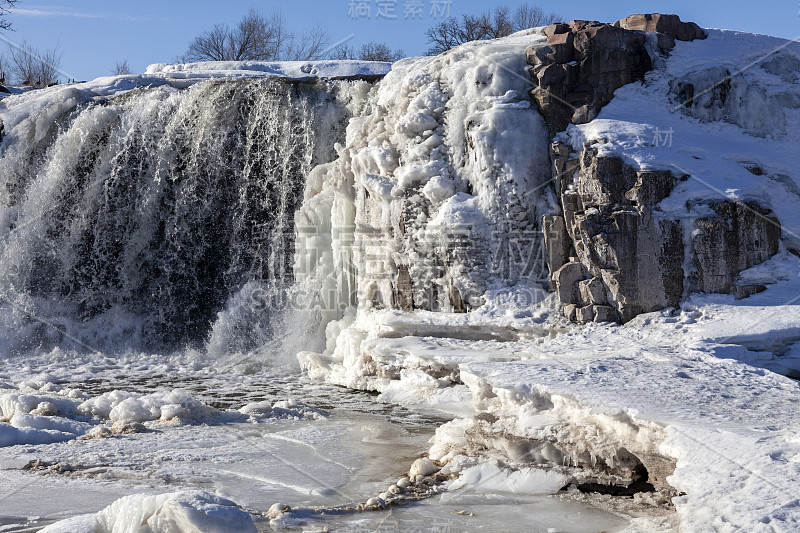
668	24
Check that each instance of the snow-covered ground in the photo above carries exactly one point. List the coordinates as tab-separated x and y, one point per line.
677	384
12	90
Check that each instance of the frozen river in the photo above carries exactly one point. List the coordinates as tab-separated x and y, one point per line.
325	449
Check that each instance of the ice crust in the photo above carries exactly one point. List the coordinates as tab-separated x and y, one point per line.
292	70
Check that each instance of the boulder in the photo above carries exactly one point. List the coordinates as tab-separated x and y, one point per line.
670	25
585	314
566	280
593	291
583	62
604	313
580	67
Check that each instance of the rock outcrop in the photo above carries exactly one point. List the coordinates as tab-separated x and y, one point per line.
612	254
443	191
584	62
623	257
669	25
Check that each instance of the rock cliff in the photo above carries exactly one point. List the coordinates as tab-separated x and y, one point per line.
611	253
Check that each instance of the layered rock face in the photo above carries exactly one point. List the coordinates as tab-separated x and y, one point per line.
614	255
611	253
584	62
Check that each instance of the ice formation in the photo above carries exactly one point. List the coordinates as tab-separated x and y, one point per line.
426	183
650	403
166	513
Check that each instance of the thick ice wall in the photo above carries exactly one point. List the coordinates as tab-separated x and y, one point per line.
437	192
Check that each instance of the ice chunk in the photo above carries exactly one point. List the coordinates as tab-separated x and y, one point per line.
173	512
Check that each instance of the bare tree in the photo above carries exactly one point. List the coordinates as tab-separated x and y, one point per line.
34	67
311	45
3	69
343	51
492	24
531	16
121	68
211	45
5	7
371	51
256	37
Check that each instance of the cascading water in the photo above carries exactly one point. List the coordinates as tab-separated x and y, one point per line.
130	222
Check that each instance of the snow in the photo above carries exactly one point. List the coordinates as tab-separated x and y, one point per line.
292	70
757	128
490	476
11	90
172	512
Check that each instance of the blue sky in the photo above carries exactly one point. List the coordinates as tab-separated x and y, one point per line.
95	35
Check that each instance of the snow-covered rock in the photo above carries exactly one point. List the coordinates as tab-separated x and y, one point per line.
176	512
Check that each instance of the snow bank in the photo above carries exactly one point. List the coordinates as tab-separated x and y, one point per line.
736	468
29	429
166	513
737	142
293	70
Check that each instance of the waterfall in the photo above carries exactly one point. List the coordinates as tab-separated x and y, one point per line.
159	218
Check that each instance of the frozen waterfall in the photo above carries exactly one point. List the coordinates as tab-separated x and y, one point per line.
161	217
